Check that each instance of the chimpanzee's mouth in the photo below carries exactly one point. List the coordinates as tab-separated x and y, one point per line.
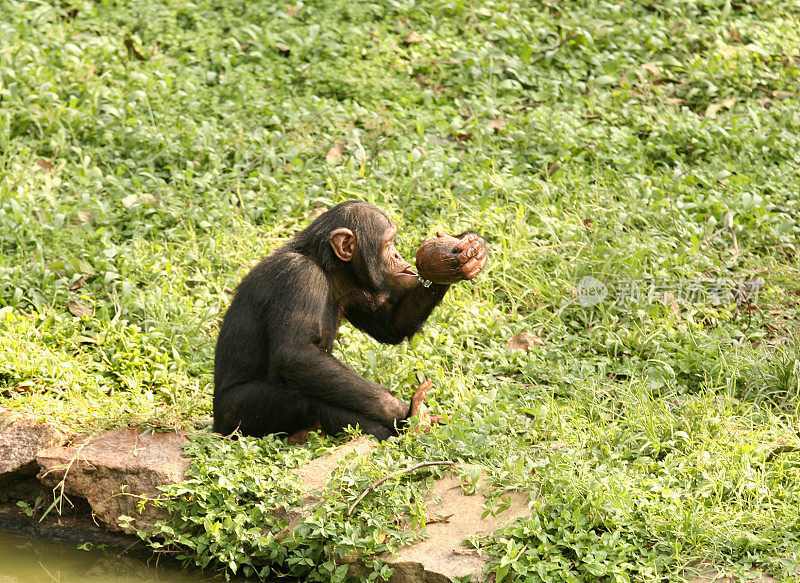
407	271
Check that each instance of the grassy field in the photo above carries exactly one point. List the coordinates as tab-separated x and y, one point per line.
150	153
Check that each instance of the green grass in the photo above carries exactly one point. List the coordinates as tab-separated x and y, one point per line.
150	153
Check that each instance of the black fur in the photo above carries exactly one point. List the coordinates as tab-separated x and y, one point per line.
274	371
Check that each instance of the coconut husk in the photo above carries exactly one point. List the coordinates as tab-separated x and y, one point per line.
437	260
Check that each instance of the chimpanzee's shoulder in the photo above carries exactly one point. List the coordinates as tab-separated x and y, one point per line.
286	265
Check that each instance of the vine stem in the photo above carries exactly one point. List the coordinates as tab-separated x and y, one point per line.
392	475
569	37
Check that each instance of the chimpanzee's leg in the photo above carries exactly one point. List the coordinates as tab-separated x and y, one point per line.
260	408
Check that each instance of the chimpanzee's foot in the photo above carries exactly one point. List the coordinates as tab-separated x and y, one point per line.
302	436
420	409
418	397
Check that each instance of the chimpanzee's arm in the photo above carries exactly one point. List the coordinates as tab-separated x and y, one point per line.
398	316
297	358
321	376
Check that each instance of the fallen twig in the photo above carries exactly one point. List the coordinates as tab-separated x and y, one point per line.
393	474
425	62
780	450
558	246
478	24
58	498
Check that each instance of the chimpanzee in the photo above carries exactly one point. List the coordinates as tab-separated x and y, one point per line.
273	369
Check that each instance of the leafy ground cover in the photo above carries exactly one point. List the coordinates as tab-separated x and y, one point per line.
150	153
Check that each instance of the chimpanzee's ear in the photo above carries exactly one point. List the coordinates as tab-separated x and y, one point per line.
343	243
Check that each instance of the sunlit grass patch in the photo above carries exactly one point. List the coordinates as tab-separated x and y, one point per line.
150	154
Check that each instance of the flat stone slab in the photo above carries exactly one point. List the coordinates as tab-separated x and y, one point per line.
453	517
441	556
315	474
21	438
115	471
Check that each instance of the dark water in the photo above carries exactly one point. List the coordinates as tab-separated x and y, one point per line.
29	560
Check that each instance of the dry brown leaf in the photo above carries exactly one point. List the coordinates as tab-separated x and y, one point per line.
674	100
79	283
79	310
292	9
414	37
653	68
524	341
439	519
45	165
335	153
712	110
497	124
132	50
552	168
283	49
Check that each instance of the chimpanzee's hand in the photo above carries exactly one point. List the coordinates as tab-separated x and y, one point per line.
472	253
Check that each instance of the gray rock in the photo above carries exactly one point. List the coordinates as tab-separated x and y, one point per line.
116	472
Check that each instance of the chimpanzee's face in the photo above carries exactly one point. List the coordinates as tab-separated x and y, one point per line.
398	274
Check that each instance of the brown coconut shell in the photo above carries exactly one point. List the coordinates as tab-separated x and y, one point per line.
437	260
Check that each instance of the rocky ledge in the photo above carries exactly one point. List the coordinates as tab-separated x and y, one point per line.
116	472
